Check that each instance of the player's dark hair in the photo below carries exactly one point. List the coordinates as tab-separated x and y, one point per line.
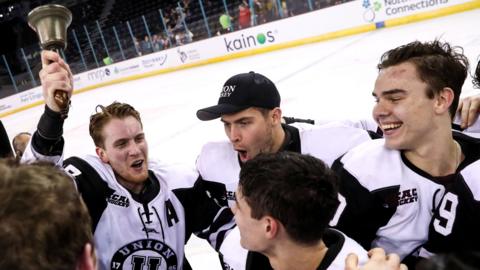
437	63
103	115
44	223
263	111
298	190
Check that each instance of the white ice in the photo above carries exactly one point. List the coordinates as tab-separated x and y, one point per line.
326	81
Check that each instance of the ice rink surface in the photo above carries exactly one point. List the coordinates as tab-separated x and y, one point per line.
326	81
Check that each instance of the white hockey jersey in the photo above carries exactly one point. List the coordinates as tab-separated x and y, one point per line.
219	166
455	222
219	169
388	202
146	230
339	246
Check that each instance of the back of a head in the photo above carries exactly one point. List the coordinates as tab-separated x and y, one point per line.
44	224
437	63
103	115
20	142
298	190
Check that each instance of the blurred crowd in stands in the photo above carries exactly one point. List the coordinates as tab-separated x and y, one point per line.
105	32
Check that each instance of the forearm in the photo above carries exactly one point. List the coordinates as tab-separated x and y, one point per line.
47	142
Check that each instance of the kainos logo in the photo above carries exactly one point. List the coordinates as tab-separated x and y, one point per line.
249	41
371	9
145	254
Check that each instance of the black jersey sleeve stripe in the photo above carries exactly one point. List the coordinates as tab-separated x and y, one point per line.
204	215
92	188
375	135
365	211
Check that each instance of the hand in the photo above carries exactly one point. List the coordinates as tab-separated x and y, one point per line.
55	75
469	108
378	261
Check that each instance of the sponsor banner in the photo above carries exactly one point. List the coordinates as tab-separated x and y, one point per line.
21	99
99	75
346	16
157	60
77	81
186	55
249	40
307	25
381	10
129	69
6	106
135	66
31	96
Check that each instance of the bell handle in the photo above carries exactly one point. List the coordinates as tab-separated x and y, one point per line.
61	97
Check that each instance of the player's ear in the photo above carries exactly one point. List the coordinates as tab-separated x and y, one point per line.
101	154
87	259
271	227
444	100
276	114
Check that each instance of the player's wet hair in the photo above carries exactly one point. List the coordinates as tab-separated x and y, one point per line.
103	115
437	63
298	190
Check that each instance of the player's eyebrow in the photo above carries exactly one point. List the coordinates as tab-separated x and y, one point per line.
389	92
237	120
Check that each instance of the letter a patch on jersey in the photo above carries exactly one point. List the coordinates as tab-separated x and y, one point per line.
171	214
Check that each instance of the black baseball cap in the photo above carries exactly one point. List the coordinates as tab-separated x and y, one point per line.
240	92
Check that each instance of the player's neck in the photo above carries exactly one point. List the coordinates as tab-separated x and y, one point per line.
293	256
278	138
133	187
440	157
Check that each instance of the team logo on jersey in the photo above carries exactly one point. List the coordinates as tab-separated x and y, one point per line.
407	196
230	195
145	254
118	200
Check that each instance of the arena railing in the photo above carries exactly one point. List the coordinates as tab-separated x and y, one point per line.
101	43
